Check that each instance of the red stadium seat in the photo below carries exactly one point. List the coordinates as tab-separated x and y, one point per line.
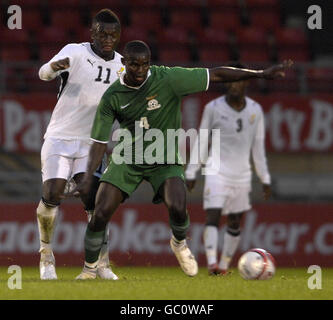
47	52
173	35
294	54
184	3
31	20
190	19
27	4
14	54
291	38
213	55
319	79
60	4
149	19
224	21
213	36
267	20
66	19
254	55
83	35
16	36
52	34
134	33
152	4
266	5
226	5
252	37
174	55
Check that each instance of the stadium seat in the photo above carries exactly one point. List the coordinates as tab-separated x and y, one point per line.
293	54
60	4
31	20
173	35
254	55
224	21
291	38
27	4
190	19
83	35
134	33
265	5
213	55
174	55
151	4
213	36
149	19
184	3
267	20
226	5
47	52
14	54
252	37
66	19
16	36
52	34
319	79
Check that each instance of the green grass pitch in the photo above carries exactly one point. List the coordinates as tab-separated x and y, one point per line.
166	283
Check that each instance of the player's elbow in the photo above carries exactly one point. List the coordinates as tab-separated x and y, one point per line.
45	74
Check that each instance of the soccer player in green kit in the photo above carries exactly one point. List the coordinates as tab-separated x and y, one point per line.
148	97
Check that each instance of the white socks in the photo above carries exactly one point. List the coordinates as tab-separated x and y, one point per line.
210	236
230	245
46	218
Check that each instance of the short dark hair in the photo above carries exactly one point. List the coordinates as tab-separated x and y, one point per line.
106	16
136	47
237	64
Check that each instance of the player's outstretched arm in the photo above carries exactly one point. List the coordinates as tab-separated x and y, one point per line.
230	74
49	70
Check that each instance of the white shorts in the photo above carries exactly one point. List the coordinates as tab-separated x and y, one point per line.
232	199
63	159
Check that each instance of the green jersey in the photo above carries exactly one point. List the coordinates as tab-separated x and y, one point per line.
148	114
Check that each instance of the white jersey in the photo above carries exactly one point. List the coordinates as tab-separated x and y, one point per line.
241	132
82	87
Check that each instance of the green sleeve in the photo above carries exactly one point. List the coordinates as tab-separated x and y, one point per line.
188	80
103	121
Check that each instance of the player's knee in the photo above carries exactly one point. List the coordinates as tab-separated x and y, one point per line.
99	220
233	222
51	197
213	218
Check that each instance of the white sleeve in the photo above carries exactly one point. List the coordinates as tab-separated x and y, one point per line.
46	73
199	152
259	154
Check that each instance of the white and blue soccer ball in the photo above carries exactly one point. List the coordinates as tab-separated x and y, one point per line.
256	264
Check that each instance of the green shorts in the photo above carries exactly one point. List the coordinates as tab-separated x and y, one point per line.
128	177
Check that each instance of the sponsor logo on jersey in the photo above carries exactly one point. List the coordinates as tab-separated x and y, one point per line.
252	119
91	62
153	104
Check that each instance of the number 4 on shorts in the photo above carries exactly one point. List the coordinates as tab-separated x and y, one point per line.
144	123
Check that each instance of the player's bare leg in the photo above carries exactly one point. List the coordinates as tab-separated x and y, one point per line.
47	212
173	193
210	238
230	241
108	199
104	270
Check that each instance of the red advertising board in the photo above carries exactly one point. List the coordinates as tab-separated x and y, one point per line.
294	123
296	234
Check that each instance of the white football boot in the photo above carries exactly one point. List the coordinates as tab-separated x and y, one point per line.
47	265
106	273
87	274
185	258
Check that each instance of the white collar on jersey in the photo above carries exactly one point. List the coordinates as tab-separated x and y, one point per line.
121	79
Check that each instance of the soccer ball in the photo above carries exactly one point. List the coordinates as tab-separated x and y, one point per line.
256	264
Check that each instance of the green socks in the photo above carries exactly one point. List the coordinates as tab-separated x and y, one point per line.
93	242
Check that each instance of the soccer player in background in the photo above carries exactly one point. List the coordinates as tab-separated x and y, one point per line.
86	70
147	97
240	121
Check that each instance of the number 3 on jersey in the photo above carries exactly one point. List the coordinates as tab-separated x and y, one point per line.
239	125
144	123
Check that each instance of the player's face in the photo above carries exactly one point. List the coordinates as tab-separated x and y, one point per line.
137	67
236	89
105	37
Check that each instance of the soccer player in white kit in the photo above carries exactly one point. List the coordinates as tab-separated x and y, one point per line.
86	70
240	121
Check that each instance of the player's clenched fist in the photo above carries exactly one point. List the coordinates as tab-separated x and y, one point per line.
61	64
